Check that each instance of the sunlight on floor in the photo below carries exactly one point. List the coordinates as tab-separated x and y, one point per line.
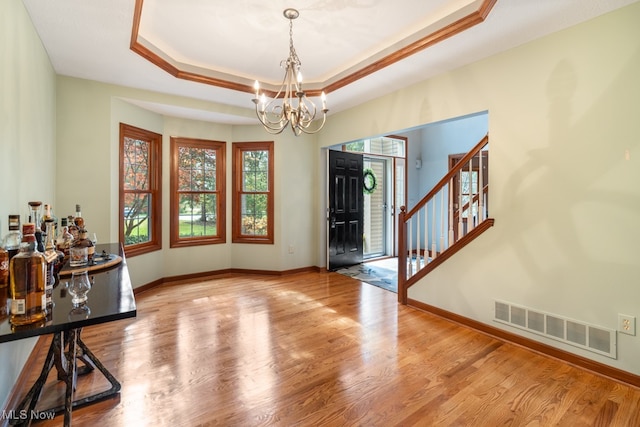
381	273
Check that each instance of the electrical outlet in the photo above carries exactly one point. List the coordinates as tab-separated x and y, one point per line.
291	249
626	324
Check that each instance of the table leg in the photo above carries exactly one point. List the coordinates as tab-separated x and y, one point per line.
70	379
64	352
28	403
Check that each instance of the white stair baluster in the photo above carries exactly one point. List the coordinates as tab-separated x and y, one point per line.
409	247
460	224
470	210
433	228
442	248
417	241
481	216
426	234
451	234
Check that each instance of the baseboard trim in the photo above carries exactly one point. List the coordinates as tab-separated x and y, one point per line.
207	275
547	350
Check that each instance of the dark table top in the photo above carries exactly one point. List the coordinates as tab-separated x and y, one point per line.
111	298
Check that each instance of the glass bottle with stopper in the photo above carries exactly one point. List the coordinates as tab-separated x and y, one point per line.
64	240
84	242
34	217
11	244
27	271
54	259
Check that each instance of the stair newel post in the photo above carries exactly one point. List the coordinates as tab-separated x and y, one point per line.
402	256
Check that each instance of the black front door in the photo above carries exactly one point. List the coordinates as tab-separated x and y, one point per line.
346	204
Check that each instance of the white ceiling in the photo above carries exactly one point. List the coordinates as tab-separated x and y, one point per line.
245	40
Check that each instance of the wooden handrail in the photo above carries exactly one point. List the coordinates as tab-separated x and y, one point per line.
452	172
454	243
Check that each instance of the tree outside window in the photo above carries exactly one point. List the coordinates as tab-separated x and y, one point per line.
253	192
197	192
140	190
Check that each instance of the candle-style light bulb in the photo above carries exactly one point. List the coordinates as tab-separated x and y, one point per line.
299	77
263	101
324	100
256	86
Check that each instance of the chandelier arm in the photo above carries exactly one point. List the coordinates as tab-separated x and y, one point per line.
290	106
267	126
307	115
276	107
268	110
316	130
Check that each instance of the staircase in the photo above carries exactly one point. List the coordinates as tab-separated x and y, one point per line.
450	216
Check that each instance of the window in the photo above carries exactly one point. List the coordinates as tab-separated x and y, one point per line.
393	146
140	190
252	192
197	192
467	191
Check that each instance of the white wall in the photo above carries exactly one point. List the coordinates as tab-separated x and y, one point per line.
565	156
27	143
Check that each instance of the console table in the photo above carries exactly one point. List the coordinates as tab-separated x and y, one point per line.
111	298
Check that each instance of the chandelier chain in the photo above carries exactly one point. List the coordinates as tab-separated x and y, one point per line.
292	50
290	106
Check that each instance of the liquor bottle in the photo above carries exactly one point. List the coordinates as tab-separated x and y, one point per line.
78	220
64	239
4	281
48	214
34	217
73	229
11	243
54	260
27	270
84	242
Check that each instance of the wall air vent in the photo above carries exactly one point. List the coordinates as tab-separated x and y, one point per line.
579	334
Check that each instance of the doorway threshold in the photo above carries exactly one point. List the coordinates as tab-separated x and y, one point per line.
380	272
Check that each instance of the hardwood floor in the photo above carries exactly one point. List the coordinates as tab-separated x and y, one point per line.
322	349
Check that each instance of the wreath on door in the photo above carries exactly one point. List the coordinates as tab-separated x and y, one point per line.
369	182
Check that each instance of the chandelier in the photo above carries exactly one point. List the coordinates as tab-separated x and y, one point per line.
290	105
